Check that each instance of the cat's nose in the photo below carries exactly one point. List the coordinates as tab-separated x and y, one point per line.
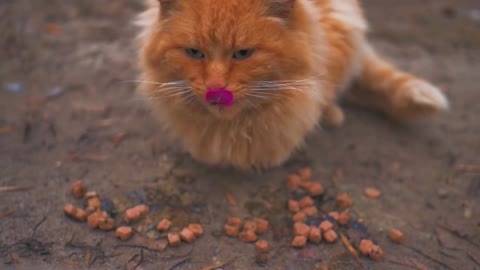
215	83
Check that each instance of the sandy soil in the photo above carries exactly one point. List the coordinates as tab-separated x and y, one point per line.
92	54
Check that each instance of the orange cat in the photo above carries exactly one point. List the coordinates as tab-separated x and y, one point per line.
241	82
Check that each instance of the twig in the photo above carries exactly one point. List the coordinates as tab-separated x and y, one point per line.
182	261
467	168
475	259
409	263
218	265
34	231
429	257
231	200
136	246
7	214
351	249
15	188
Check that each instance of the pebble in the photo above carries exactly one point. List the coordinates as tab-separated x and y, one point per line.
142	208
196	229
106	224
173	239
78	189
293	182
94	219
94	203
314	189
325	226
330	236
299	217
315	235
305	173
132	214
396	236
301	229
261	226
306	202
187	235
372	193
248	236
235	221
69	210
376	253
231	230
310	211
344	218
365	246
293	206
250	226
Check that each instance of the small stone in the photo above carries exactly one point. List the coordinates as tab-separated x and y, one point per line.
78	189
314	189
325	226
142	208
173	239
343	200
261	226
306	202
94	203
299	241
396	236
293	206
164	225
334	215
372	193
187	235
376	253
262	246
248	236
330	236
123	233
365	246
299	217
69	210
305	174
94	218
89	195
315	235
301	229
80	215
231	230
196	229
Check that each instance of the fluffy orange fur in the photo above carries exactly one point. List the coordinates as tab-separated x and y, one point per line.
306	53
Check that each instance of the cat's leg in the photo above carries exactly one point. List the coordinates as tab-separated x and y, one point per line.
384	87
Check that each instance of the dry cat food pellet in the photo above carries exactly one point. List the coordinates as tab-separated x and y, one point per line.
299	241
106	224
301	229
248	236
196	229
315	235
94	203
372	193
396	236
334	215
344	217
235	221
306	202
80	215
310	211
164	225
142	208
262	246
132	214
330	236
343	200
90	194
305	173
231	230
376	253
299	217
173	239
123	233
314	188
78	189
94	218
261	226
187	235
69	210
250	226
325	226
293	206
365	246
293	182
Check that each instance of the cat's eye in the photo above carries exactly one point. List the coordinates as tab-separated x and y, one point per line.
195	53
243	54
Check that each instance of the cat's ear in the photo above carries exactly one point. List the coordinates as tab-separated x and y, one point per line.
167	7
282	9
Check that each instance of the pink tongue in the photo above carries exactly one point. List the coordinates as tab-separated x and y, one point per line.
222	97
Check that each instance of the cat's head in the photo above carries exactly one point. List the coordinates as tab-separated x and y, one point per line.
227	55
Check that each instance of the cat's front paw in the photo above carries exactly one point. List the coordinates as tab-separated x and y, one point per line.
333	116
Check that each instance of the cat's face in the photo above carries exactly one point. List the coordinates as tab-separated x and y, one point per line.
228	55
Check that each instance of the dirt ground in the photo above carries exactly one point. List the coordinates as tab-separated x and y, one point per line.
85	48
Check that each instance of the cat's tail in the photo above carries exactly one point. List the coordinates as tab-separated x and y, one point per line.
390	90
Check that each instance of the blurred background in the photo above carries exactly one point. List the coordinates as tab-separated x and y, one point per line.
67	113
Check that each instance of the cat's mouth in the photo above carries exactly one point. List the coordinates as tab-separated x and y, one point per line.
220	98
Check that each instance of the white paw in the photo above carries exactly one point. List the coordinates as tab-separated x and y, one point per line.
421	94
